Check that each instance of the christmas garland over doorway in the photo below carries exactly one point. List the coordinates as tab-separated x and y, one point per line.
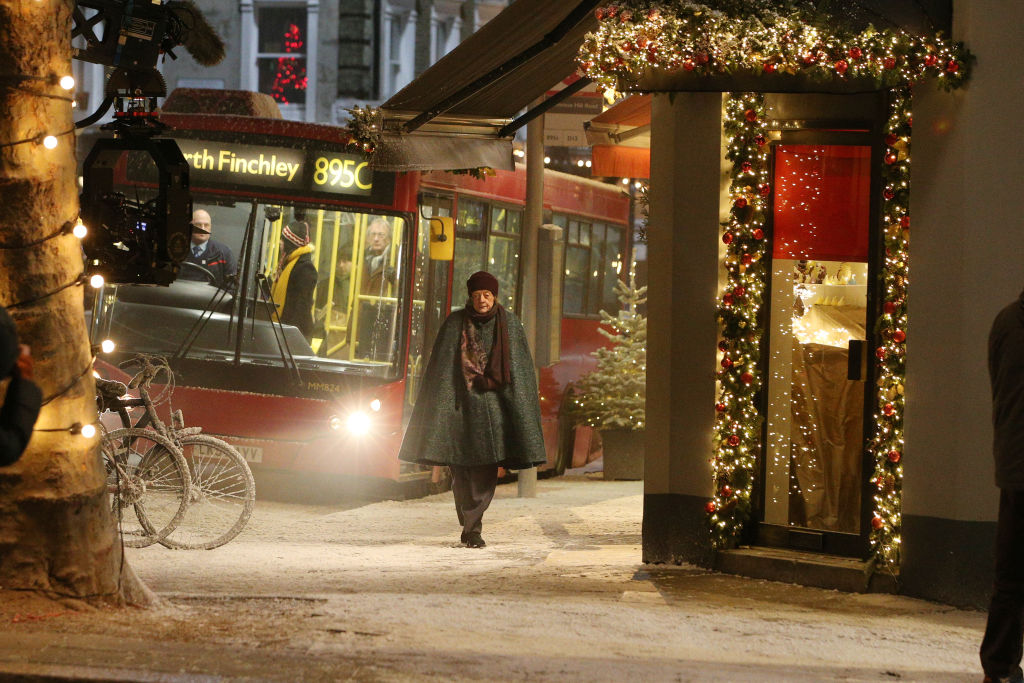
783	40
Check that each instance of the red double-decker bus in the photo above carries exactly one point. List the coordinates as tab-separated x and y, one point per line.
333	403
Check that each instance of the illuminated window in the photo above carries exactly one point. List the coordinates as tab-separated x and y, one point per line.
281	55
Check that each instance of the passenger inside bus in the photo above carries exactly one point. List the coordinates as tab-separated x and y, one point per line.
336	291
295	280
376	305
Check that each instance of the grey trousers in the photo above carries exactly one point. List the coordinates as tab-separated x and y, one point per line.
473	487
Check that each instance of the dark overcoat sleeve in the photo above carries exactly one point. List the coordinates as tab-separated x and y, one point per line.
18	417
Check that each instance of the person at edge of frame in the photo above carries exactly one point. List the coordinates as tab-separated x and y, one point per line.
22	397
478	408
1002	645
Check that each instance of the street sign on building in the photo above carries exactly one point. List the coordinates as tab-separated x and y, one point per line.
563	123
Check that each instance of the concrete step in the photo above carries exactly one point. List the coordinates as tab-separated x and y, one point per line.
806	569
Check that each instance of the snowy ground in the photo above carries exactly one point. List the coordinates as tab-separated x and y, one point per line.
383	591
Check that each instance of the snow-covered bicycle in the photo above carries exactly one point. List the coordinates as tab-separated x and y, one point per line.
188	489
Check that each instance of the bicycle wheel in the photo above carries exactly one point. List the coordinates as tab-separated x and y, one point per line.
222	496
147	473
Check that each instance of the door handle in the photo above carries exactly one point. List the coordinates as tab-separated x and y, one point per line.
857	360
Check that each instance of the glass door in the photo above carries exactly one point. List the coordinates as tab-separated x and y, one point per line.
814	465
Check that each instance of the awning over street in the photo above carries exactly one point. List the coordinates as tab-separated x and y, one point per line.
456	114
621	139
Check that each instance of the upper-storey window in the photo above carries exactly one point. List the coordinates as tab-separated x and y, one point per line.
281	55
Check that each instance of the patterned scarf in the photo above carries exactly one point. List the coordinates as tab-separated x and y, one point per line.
480	371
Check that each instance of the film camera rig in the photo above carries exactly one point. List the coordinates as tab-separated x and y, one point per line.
131	240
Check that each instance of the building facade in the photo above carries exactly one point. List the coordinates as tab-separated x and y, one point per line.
963	267
317	58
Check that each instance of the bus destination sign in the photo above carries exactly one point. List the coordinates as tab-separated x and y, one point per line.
222	164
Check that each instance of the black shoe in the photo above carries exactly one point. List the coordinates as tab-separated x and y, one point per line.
474	540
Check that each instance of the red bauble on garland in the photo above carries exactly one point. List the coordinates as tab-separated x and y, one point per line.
889	63
841	66
905	222
855	53
888	193
769	68
750	115
881	353
741	202
720	407
930	60
952	67
889	307
760	140
746	378
747	259
899	336
894	456
726	363
734	440
739	291
877	523
688	65
727	491
888	409
758	234
727	238
891	139
891	158
764	189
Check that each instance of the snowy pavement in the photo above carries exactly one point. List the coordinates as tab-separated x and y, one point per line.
383	591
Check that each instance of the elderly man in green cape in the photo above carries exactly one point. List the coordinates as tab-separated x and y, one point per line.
478	407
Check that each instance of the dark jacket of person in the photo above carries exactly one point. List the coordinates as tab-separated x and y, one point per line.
452	425
22	399
217	259
1006	372
298	302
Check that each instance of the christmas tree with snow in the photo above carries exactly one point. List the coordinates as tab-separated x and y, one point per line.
612	396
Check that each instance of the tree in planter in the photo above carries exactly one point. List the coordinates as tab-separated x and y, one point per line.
57	536
612	396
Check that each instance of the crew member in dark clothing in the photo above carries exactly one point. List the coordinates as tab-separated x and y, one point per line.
22	398
1003	643
207	253
296	277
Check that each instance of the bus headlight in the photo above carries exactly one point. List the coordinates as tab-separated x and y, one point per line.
375	405
358	423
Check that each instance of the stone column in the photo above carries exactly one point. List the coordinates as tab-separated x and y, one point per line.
687	182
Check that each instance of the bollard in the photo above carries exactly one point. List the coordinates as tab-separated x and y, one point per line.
527	481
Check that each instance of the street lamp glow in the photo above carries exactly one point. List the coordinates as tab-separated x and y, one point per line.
88	431
107	346
96	281
79	230
67	82
49	142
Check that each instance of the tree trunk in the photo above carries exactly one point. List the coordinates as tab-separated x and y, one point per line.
58	539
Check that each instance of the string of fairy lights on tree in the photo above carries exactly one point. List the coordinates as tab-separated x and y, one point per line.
614	394
779	40
737	432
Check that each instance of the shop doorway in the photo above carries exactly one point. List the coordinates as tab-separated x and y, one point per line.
815	464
